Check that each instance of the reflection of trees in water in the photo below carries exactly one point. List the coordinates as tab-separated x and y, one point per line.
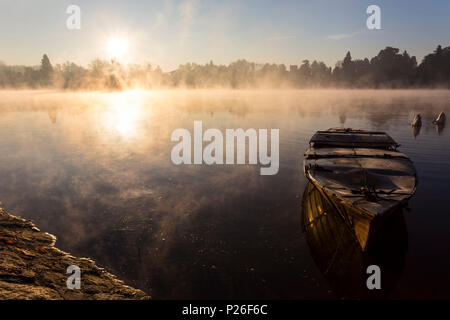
378	120
342	118
300	111
52	113
338	255
198	105
381	112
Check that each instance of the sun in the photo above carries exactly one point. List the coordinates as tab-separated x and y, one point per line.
117	47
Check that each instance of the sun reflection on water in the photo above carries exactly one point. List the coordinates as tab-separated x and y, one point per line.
124	113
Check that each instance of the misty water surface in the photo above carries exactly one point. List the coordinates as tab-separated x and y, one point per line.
94	169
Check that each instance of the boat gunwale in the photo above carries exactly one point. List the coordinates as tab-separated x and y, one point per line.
346	132
349	156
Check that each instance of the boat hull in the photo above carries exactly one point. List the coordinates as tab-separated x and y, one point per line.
365	184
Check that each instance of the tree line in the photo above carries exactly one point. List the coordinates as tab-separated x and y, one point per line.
388	69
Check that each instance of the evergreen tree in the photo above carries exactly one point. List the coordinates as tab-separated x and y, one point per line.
46	71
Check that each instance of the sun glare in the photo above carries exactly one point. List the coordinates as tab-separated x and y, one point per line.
124	113
117	47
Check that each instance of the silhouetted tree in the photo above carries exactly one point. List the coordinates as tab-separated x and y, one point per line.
304	73
46	71
348	70
435	68
389	68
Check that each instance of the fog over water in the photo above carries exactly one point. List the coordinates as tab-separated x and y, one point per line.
94	169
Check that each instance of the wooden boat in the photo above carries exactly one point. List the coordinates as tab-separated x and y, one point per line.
362	172
338	255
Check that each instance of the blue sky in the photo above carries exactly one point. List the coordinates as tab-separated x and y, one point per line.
169	32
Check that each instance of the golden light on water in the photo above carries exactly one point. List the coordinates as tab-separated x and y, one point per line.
125	120
124	113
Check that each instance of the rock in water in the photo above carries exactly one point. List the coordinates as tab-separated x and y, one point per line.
31	268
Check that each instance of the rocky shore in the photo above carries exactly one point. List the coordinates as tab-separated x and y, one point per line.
32	268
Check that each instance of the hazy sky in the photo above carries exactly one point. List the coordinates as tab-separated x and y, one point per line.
169	32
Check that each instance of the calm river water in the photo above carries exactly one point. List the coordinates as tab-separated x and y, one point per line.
94	169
